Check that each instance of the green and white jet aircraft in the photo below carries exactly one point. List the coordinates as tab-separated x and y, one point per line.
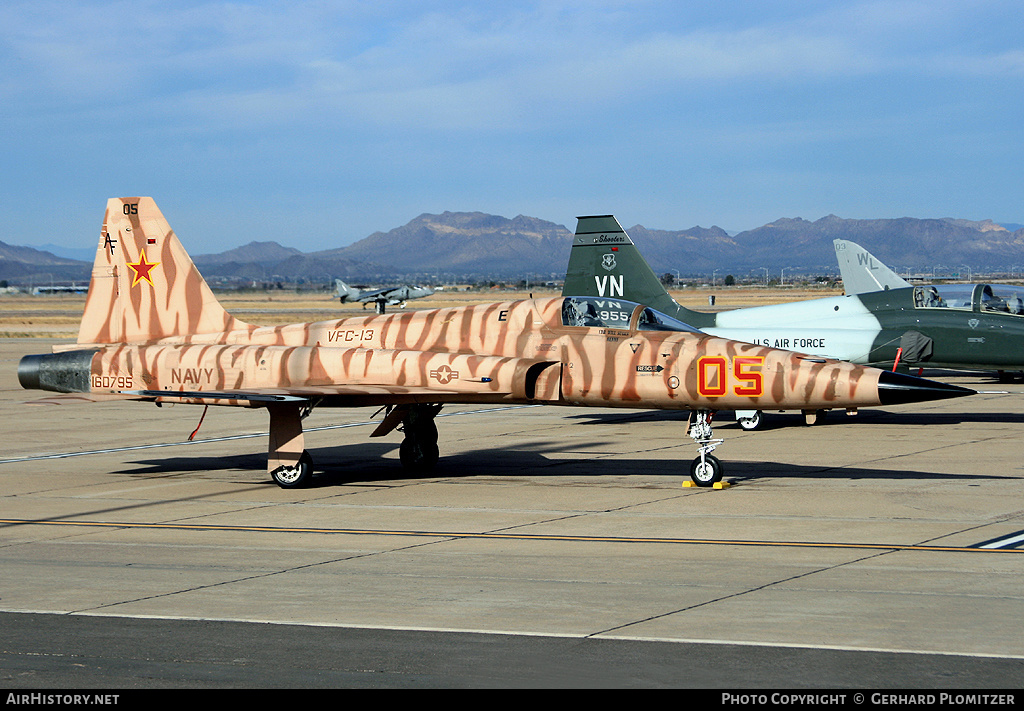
960	326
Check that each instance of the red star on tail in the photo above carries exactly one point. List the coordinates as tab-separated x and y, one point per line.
142	269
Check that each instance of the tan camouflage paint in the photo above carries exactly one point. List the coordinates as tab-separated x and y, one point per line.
166	331
157	328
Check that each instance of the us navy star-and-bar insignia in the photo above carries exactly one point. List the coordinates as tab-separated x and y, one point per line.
444	374
142	269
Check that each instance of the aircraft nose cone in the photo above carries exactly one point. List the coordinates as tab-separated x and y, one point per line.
897	388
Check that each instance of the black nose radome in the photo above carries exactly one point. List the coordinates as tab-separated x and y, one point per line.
897	388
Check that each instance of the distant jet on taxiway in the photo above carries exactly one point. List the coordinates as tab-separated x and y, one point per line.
386	296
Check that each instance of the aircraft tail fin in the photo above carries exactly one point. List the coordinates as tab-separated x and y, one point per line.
862	272
144	285
344	291
604	262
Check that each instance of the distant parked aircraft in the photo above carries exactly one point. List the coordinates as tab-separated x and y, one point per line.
73	289
393	295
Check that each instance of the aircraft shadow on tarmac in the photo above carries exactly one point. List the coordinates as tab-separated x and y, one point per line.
366	464
781	420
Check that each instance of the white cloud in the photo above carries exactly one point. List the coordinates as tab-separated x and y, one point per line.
435	97
442	66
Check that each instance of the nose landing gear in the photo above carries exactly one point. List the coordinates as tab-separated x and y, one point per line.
705	470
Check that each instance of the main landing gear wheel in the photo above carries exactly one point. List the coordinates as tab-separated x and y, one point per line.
418	451
706	470
294	476
417	456
750	422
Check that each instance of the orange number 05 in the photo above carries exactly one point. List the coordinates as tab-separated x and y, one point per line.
713	380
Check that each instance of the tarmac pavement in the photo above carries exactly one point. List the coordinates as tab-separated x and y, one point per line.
839	548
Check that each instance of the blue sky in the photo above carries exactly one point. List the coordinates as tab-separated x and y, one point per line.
315	124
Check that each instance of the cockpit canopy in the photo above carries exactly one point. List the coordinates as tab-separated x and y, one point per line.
991	298
619	314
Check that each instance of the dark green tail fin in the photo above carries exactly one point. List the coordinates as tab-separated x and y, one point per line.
604	262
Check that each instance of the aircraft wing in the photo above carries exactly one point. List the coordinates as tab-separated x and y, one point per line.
375	294
335	395
339	396
208	397
79	398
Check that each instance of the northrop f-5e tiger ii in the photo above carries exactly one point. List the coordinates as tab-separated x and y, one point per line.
153	331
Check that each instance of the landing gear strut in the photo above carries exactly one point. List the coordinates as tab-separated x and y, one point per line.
288	463
418	451
706	469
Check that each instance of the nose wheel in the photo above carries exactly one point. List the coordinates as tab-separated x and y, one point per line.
706	469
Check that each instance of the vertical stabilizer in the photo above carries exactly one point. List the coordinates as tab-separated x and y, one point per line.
862	272
604	262
346	292
144	285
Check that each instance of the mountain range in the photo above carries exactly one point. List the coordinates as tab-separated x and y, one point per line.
459	246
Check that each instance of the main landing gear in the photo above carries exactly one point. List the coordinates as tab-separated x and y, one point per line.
705	470
749	419
291	467
418	451
288	463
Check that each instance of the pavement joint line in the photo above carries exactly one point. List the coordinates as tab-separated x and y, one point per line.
741	593
511	536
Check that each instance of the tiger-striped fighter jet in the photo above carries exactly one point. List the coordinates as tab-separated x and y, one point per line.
153	331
